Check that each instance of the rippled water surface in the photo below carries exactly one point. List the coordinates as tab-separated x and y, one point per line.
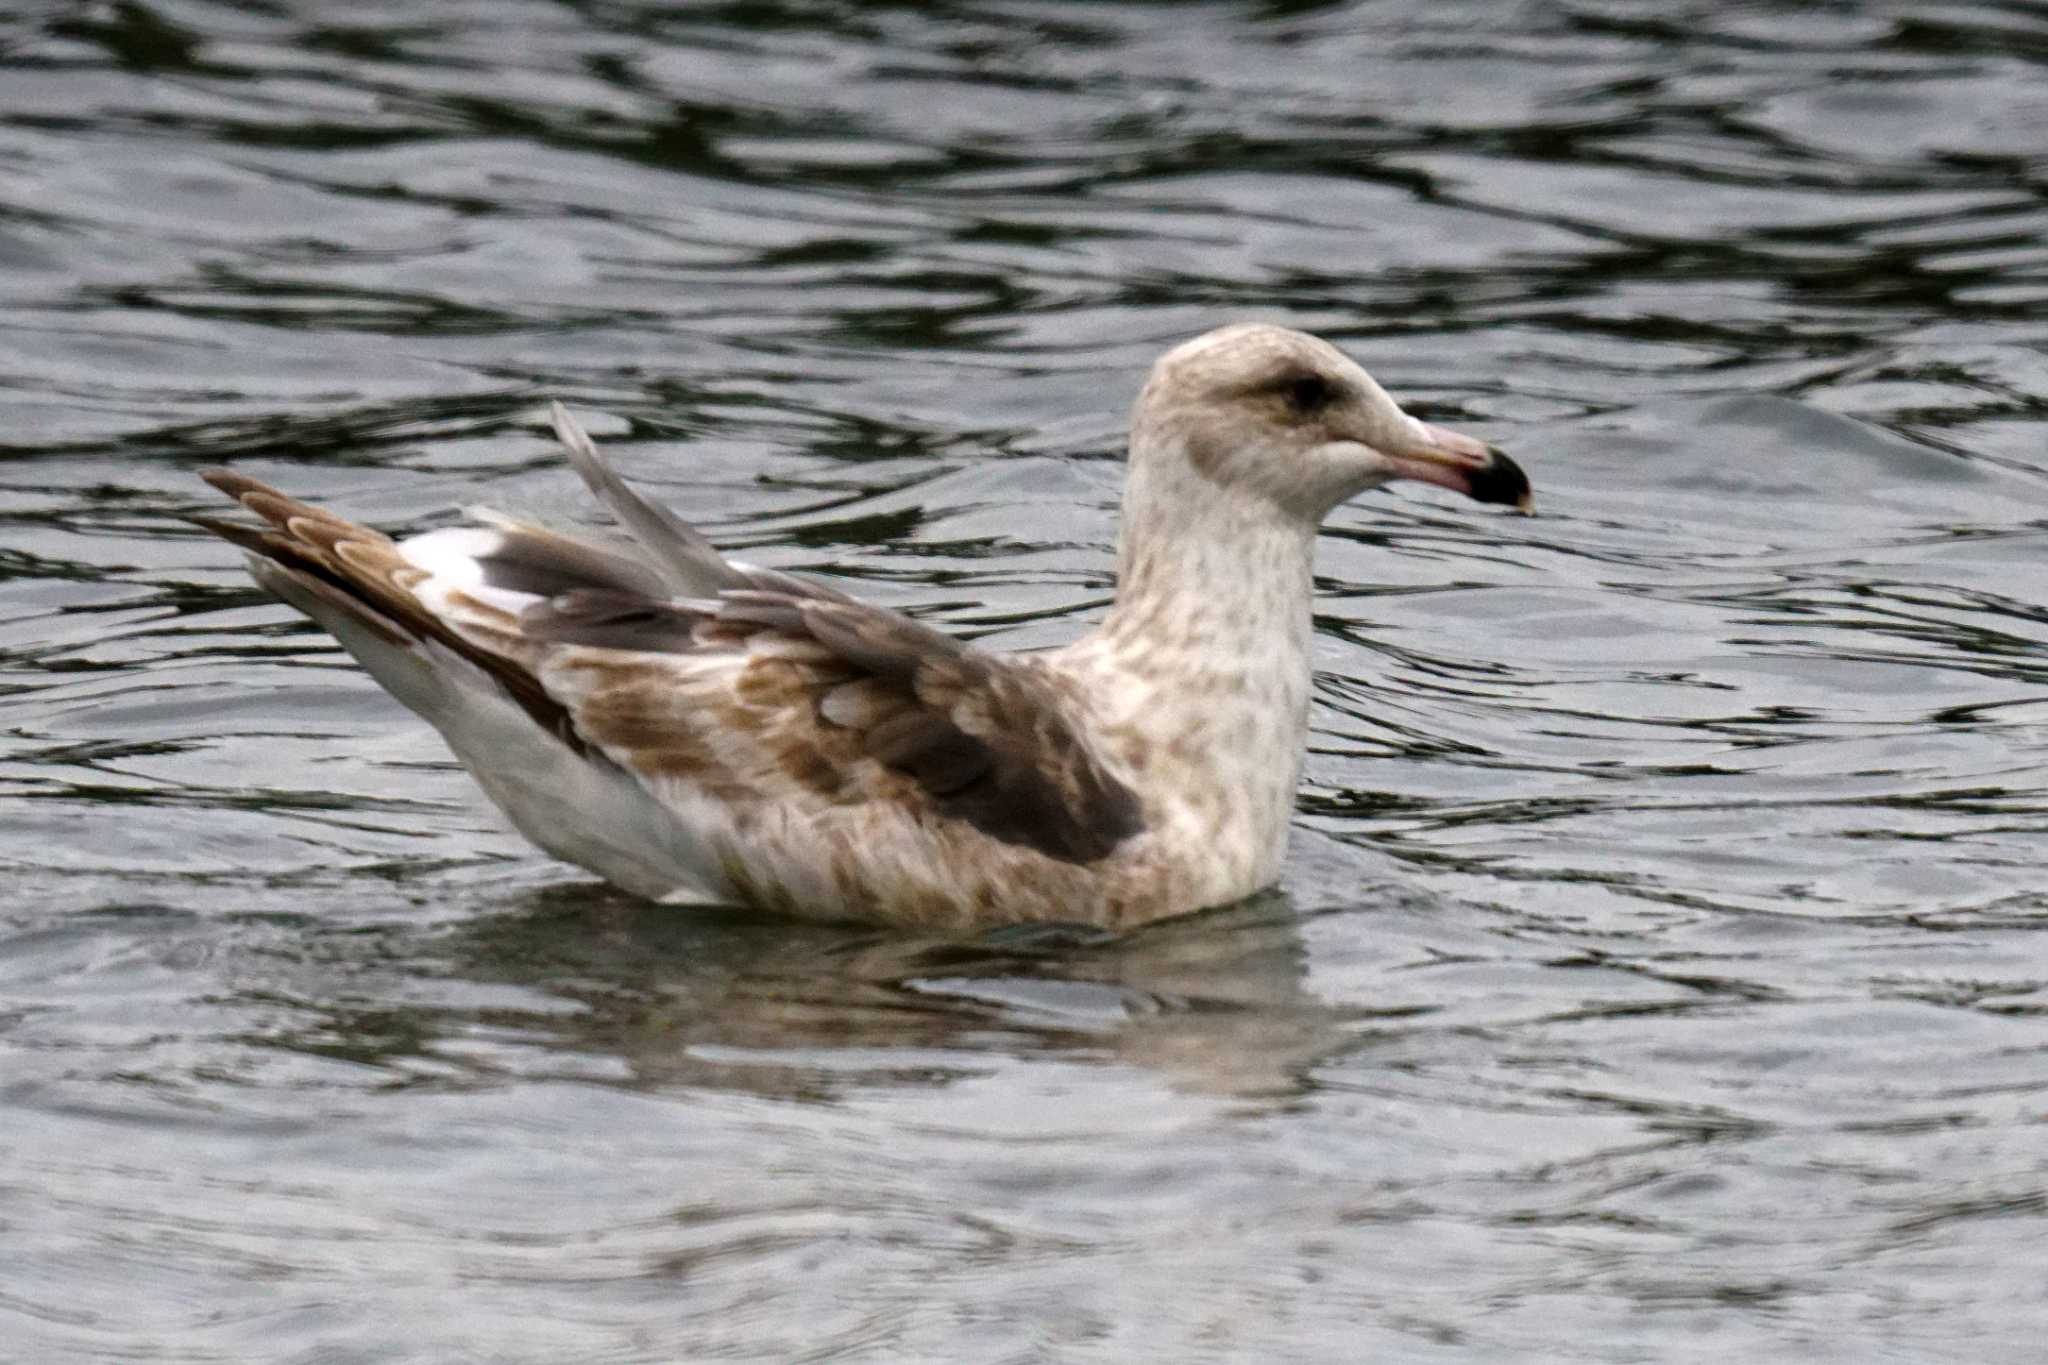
1660	972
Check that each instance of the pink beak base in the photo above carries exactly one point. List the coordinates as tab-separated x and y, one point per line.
1466	465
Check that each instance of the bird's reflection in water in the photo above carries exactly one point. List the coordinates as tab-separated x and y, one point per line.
1213	1002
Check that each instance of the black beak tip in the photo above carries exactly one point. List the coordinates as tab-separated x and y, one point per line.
1502	481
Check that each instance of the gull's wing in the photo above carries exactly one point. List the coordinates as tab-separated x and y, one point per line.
689	563
756	691
774	696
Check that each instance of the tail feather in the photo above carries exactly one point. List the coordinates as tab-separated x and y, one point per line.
351	579
442	621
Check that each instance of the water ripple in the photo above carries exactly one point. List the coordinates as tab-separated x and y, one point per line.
1659	961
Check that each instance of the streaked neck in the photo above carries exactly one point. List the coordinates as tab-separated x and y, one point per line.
1209	578
1201	674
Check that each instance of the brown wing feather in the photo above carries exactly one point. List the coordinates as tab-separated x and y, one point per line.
362	572
989	738
776	679
826	682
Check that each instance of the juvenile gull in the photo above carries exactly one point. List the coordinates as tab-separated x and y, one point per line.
698	730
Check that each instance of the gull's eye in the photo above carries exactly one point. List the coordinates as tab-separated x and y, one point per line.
1308	394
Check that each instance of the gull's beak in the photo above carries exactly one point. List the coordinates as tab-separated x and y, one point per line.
1479	471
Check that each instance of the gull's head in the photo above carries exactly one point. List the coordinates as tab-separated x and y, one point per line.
1291	419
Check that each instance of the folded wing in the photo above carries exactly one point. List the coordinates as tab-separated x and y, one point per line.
709	680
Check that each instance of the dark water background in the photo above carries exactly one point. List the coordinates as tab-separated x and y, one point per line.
1660	974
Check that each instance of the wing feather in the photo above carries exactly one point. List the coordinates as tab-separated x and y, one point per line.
364	575
751	687
691	564
844	702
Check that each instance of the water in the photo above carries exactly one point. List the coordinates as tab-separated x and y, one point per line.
1659	974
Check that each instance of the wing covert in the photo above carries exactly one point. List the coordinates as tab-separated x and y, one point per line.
821	695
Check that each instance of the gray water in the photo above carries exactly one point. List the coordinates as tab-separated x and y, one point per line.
1659	975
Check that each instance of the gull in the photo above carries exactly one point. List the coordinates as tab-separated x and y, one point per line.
698	730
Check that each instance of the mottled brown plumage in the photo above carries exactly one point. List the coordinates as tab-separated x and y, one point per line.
981	740
361	573
697	729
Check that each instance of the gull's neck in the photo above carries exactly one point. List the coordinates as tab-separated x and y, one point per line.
1202	667
1225	572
